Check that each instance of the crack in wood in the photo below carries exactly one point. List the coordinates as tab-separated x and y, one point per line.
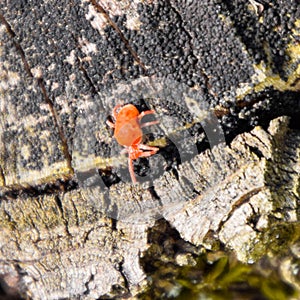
105	14
202	72
244	199
41	85
24	191
61	209
2	175
88	78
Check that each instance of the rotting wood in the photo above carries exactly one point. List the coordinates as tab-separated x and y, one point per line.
59	239
65	247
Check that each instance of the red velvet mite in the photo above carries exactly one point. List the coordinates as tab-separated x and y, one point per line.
128	133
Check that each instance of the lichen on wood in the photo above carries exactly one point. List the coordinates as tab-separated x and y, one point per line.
62	238
67	239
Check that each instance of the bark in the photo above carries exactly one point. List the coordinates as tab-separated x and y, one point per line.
63	246
72	224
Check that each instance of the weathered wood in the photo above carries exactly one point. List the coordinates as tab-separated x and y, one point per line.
62	246
31	149
85	49
68	250
65	231
248	182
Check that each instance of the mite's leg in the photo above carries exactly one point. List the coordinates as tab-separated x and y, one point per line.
131	171
149	150
149	124
124	151
115	114
110	124
144	113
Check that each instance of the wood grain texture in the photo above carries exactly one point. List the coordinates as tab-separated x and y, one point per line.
71	223
63	245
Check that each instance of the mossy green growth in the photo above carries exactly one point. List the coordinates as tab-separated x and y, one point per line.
218	276
188	272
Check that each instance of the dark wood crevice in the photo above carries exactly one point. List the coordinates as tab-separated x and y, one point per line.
40	82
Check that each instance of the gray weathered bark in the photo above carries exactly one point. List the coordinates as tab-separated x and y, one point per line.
61	246
69	226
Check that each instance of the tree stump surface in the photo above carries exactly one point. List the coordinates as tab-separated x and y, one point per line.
223	78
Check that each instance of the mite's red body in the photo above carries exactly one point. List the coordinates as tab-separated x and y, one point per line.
128	133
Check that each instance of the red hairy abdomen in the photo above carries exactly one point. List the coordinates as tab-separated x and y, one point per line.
127	128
